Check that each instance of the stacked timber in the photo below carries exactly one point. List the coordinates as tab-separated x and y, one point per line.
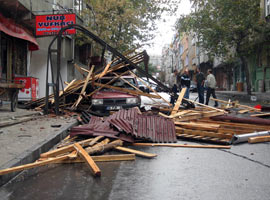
218	125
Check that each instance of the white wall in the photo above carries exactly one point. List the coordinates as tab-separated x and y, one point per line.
38	65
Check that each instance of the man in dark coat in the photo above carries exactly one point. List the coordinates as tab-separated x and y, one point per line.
200	85
185	83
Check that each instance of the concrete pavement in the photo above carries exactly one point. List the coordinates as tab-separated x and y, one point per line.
23	142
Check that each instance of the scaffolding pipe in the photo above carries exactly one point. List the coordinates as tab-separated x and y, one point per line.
244	137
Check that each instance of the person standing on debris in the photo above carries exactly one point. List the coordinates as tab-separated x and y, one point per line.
211	87
173	82
185	83
200	85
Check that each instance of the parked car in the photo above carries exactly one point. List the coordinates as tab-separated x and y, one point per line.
107	99
142	86
151	84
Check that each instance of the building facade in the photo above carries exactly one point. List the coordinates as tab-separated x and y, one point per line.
23	53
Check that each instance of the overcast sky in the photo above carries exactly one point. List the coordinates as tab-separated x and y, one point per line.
165	30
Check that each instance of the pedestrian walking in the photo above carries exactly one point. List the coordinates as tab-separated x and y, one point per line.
185	83
200	85
173	82
211	87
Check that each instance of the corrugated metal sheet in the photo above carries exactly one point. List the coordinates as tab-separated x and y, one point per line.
153	128
129	125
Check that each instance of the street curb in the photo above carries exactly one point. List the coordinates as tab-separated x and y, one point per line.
244	97
32	154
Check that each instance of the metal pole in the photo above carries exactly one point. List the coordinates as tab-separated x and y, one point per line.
56	95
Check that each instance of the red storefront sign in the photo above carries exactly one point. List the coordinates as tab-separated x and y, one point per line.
51	24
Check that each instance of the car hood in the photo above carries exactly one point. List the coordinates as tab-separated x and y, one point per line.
111	95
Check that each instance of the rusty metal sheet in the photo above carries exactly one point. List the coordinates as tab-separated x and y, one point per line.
153	128
129	125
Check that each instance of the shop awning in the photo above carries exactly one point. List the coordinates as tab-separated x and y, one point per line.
9	27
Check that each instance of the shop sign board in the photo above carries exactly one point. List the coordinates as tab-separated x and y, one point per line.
47	25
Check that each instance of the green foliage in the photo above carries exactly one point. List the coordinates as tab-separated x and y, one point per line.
124	24
223	25
228	29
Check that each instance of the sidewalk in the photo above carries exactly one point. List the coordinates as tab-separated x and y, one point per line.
24	142
242	97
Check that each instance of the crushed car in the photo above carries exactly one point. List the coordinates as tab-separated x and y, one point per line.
107	99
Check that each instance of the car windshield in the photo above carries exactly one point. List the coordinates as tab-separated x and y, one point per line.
119	83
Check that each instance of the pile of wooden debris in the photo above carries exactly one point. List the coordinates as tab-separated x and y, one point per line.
220	125
78	92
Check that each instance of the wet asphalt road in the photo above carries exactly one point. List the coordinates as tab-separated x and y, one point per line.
177	173
241	173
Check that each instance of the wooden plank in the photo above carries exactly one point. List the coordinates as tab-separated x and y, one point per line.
103	73
259	139
80	70
104	148
110	158
95	140
240	125
197	126
181	131
136	152
163	115
260	115
84	87
228	104
102	158
210	107
178	114
127	90
197	116
236	104
36	164
62	150
65	89
243	111
88	160
100	144
181	145
179	101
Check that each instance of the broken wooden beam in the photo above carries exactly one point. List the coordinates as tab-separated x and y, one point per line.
37	164
236	104
88	160
65	149
210	107
259	139
101	158
103	148
136	152
179	101
260	115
